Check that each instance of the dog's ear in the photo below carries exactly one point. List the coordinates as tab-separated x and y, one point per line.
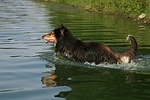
62	26
62	31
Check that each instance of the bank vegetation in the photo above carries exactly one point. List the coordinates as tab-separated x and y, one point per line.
134	9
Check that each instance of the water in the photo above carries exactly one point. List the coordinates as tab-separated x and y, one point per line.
29	69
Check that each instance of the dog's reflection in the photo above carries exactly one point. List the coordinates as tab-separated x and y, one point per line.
59	75
49	81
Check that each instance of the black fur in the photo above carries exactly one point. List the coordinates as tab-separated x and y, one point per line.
74	49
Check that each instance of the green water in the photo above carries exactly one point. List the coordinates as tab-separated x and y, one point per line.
30	70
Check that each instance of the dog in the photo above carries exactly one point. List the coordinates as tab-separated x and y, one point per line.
74	49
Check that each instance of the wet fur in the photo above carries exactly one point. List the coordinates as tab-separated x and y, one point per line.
74	49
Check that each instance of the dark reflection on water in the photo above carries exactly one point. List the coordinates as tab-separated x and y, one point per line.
29	69
99	83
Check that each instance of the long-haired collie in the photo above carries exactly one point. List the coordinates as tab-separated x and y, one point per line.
74	49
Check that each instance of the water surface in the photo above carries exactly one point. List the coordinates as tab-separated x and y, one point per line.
29	69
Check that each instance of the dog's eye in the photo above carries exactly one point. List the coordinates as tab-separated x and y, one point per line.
52	33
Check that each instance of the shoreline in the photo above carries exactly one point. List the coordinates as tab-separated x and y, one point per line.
136	10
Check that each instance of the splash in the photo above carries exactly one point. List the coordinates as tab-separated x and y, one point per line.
142	63
53	58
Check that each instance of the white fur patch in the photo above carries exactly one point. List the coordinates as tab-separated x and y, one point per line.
125	59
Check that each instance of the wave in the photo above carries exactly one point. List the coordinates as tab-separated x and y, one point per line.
141	63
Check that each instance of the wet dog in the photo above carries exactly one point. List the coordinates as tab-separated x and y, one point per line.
74	49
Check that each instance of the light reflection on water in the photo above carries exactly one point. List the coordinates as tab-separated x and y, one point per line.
29	69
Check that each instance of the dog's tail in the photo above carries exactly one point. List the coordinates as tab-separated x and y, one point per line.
131	53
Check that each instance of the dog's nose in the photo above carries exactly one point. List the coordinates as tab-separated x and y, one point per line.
43	36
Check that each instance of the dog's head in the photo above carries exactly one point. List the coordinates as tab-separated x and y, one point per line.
55	35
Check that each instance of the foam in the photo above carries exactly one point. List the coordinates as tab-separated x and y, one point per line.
124	66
